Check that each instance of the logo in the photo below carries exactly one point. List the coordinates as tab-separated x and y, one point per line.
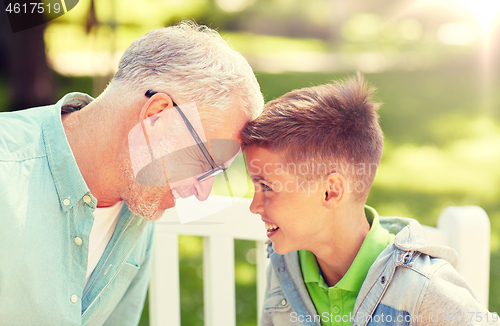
25	14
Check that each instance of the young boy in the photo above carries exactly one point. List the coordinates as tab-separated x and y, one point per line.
312	156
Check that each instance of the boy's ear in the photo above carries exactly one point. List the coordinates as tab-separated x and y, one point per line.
334	190
156	104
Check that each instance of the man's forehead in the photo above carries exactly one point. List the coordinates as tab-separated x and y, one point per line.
228	125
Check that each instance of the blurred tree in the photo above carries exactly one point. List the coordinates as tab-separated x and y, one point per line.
4	32
31	81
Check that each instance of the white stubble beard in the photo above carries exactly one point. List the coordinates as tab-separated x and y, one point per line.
143	200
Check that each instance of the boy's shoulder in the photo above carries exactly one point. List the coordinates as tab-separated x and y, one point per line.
423	272
411	237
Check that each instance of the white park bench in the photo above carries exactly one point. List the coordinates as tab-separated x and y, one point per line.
466	229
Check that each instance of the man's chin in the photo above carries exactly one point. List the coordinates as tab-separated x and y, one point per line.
147	212
166	202
155	216
150	215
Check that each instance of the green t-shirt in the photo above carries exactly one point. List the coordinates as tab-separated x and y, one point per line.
335	304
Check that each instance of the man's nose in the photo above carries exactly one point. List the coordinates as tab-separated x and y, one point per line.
203	189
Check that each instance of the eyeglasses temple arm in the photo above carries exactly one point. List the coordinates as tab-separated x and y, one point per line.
149	93
197	138
151	152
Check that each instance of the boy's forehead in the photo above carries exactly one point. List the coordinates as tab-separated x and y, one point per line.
263	162
262	155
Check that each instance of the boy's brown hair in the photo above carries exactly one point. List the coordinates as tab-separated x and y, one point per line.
323	129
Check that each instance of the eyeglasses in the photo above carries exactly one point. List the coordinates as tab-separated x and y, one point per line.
215	169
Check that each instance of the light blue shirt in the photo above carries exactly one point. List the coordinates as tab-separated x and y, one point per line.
46	218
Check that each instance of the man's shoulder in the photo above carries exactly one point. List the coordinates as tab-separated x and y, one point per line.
21	135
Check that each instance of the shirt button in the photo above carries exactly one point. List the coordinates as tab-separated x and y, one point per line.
334	294
74	298
66	202
87	199
78	240
283	302
336	310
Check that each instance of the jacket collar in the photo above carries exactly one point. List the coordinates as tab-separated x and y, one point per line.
289	276
411	237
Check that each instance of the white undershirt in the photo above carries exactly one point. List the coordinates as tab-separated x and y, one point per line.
105	219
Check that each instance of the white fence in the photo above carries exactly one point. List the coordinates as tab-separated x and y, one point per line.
466	229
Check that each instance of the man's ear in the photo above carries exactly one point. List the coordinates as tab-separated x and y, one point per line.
156	104
334	190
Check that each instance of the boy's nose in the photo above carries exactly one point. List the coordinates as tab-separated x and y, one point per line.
256	204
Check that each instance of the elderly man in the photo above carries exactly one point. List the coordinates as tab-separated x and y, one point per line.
75	245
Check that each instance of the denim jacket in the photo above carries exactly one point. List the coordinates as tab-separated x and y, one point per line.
410	283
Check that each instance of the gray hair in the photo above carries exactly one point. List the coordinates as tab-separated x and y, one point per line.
190	62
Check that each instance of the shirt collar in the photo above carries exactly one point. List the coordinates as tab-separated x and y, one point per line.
309	266
69	182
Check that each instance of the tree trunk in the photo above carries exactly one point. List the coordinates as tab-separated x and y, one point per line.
31	81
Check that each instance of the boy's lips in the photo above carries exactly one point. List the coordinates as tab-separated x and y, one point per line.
271	228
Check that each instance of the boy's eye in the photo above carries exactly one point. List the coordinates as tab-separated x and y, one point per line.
265	187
